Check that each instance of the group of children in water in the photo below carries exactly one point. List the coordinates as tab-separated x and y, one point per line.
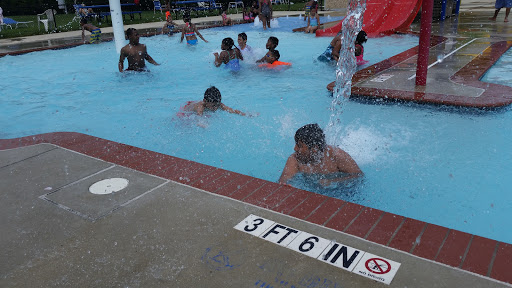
312	154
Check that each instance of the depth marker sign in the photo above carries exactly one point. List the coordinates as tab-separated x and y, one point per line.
337	254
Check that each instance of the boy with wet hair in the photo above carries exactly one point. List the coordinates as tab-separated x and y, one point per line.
95	31
313	156
271	45
135	52
211	102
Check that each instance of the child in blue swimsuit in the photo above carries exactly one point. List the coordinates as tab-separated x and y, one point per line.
189	31
228	56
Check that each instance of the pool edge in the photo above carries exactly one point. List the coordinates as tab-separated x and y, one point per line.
476	254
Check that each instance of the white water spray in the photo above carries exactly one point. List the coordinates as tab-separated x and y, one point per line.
346	67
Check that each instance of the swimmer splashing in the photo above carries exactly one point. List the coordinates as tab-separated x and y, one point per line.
346	67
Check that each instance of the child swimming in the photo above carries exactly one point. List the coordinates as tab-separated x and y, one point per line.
211	102
228	56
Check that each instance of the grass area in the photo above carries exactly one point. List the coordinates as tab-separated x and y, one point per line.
68	22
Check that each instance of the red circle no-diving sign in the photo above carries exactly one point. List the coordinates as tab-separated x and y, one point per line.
378	265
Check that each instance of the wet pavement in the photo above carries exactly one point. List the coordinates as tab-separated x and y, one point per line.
160	233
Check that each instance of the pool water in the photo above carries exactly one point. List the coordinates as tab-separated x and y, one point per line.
500	71
440	165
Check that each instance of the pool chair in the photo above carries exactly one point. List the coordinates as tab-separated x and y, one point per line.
158	6
47	18
8	22
235	5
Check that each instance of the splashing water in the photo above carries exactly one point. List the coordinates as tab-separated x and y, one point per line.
346	67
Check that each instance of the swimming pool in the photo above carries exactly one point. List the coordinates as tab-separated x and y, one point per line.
500	71
419	161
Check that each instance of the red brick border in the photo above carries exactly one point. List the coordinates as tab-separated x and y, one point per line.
494	95
476	254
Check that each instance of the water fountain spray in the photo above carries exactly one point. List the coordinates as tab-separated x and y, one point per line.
346	66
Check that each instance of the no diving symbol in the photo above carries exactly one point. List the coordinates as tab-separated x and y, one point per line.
378	265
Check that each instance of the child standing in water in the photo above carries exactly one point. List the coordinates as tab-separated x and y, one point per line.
211	102
135	52
228	56
189	32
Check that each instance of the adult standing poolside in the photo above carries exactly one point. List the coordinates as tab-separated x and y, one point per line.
135	52
265	12
502	4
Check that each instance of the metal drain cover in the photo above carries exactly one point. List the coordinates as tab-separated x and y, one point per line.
108	186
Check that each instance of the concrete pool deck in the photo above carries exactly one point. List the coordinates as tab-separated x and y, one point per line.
173	226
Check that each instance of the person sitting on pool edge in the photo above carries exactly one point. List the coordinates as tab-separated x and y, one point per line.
189	32
271	45
95	31
211	102
313	156
228	56
135	52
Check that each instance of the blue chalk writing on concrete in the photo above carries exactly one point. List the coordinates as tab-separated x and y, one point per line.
217	260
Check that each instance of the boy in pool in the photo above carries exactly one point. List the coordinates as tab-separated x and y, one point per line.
272	43
95	31
228	56
242	43
313	156
189	32
135	52
211	102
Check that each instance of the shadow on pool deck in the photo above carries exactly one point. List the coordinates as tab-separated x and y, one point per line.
173	225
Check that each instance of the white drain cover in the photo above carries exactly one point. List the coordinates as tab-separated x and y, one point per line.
108	186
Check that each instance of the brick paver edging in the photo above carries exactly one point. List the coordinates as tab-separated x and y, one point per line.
473	253
494	95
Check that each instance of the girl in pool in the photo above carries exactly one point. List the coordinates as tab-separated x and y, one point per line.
360	39
228	56
211	102
313	19
189	32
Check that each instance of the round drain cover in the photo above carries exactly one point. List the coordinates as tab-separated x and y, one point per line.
108	186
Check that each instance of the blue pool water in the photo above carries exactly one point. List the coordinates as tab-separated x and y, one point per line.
500	71
440	165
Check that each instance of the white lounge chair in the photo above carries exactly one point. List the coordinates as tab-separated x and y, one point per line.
47	18
159	6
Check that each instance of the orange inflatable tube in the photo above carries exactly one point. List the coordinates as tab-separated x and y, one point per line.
275	64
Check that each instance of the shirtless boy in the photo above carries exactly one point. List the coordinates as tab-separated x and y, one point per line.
272	43
135	52
211	102
313	156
